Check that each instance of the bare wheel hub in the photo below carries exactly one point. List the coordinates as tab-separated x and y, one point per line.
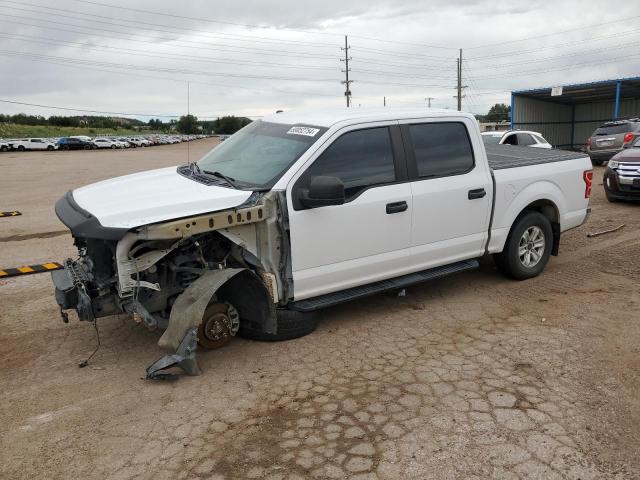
220	323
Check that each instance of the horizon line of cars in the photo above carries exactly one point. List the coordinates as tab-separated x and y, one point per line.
83	142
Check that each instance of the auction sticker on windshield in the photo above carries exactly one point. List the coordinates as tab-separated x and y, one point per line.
306	131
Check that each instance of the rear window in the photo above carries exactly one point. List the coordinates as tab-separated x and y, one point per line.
615	129
441	149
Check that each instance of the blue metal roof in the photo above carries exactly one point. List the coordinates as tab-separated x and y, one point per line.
596	83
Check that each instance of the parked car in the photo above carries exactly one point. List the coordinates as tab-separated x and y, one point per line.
610	138
4	146
32	144
105	143
523	138
300	211
621	178
125	142
74	143
135	142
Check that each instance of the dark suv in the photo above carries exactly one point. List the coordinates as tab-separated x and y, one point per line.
621	178
610	138
71	143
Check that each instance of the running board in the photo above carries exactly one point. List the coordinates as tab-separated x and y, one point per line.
405	281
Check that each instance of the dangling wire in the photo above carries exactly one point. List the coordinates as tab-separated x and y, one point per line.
84	363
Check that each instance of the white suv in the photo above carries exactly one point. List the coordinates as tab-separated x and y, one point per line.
523	138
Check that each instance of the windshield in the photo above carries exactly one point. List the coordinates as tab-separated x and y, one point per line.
260	153
491	139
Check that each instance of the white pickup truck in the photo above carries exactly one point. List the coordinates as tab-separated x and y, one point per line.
300	211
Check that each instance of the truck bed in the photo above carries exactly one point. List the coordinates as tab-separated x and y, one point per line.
509	156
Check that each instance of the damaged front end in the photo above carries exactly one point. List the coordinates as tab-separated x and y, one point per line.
199	278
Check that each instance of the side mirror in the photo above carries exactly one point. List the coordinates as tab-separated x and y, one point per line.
323	191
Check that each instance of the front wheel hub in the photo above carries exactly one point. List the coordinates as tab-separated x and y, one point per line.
220	323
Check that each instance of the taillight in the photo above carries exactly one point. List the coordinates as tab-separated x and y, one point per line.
589	142
587	176
628	137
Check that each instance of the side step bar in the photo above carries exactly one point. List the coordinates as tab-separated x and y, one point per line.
335	298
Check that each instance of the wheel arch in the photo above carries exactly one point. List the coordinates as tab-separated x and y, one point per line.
550	210
544	197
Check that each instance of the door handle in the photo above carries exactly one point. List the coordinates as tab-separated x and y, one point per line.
477	193
397	207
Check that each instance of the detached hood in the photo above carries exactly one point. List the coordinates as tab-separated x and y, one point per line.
153	196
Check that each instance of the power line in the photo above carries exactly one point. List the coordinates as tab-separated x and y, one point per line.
551	47
403	43
581	28
565	67
168	56
395	53
178	31
136	23
235	86
207	20
14	102
566	55
84	110
81	61
209	45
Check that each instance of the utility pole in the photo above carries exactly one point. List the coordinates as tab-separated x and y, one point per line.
346	81
384	101
460	87
428	99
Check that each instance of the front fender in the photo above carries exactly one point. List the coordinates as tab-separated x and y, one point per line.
189	307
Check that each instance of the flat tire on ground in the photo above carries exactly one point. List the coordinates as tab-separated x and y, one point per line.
291	324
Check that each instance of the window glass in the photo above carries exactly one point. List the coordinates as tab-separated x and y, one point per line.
261	152
360	159
614	129
525	139
441	149
539	139
511	140
491	139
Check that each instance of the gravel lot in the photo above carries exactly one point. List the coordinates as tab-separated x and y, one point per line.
473	376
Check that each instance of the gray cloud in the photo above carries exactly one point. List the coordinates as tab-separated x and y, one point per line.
83	55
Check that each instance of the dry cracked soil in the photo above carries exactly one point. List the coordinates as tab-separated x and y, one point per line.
470	377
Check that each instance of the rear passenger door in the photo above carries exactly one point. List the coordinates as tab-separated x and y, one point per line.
366	239
452	191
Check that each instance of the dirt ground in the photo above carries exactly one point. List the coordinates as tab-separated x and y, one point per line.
473	376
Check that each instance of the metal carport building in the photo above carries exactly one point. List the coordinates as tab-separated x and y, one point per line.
567	115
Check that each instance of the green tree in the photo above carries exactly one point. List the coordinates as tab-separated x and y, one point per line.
499	113
187	124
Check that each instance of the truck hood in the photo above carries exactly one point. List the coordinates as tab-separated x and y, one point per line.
153	196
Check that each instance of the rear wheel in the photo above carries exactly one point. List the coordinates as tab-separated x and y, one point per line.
113	147
20	148
291	324
4	148
528	247
87	147
50	147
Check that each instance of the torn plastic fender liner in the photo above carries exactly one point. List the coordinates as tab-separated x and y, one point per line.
189	307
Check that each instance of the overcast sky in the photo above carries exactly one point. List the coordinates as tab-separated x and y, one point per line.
253	57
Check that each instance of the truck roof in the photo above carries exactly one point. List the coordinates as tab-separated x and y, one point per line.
327	117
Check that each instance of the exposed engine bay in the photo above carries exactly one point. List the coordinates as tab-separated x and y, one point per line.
198	278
